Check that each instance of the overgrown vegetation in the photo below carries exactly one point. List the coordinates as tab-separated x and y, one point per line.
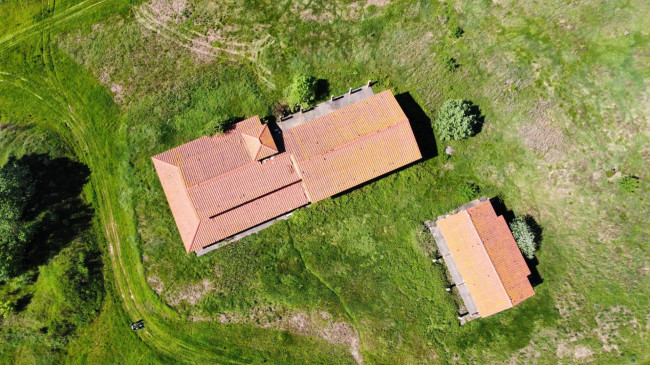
469	191
524	236
16	191
302	92
629	184
115	82
456	120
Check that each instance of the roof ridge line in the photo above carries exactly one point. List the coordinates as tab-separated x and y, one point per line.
222	175
489	257
248	201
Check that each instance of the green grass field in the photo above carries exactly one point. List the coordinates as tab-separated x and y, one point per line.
563	90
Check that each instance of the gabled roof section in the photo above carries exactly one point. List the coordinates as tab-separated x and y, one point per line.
474	264
249	215
503	251
344	126
242	185
352	145
184	214
355	163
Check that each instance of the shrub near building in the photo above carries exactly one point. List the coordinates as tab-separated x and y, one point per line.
456	120
302	92
524	236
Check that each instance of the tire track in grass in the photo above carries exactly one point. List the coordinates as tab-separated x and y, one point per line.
20	35
198	43
354	350
75	135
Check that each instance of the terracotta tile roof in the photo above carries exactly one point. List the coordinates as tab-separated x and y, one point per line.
223	185
359	161
352	145
211	175
257	138
503	251
249	215
184	214
474	264
343	126
242	185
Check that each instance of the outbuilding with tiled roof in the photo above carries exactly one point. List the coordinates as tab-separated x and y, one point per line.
224	187
483	259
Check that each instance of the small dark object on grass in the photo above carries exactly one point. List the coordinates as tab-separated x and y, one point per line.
610	173
137	325
451	64
457	32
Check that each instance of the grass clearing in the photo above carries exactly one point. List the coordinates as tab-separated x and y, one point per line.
540	73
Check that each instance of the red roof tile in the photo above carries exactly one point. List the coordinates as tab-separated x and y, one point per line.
503	251
249	215
220	186
344	125
487	258
359	161
242	185
474	264
184	214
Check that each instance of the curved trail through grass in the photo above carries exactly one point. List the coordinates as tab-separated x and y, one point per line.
12	39
93	134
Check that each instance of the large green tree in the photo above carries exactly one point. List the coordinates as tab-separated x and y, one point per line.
456	120
302	92
16	190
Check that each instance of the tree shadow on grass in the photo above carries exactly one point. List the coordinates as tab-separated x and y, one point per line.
56	206
322	89
480	117
420	123
500	208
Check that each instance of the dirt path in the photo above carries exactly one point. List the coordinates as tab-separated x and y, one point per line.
91	138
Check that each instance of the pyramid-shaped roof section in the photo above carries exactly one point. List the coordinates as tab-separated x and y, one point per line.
257	138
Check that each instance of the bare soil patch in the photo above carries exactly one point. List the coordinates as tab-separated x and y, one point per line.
190	294
316	324
541	136
168	10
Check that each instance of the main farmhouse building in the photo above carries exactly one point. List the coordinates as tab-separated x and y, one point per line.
227	186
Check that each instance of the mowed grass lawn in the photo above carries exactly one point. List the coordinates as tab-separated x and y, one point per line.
562	88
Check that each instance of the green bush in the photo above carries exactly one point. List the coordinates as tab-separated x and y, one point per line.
469	191
16	188
68	292
456	120
629	184
457	32
6	307
524	236
451	64
302	92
